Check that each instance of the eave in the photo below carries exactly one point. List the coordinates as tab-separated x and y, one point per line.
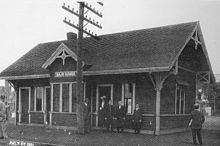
88	73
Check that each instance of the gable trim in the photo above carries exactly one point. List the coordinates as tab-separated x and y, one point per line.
197	30
55	55
186	42
205	52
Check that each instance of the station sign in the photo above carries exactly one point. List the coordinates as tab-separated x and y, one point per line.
65	74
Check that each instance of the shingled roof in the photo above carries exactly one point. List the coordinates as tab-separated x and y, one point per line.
143	50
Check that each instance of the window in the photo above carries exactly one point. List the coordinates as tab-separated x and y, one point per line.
128	97
180	99
56	97
74	97
39	99
65	98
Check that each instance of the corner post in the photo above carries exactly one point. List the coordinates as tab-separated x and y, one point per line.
158	79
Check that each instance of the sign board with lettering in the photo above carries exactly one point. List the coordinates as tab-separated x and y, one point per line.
65	74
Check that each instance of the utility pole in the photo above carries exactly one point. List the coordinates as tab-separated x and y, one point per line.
80	56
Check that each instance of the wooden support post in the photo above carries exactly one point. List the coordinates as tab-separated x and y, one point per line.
158	91
79	76
158	79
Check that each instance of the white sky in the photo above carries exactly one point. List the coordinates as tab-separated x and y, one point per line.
26	23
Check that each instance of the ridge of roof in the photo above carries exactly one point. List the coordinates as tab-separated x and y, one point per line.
126	32
151	28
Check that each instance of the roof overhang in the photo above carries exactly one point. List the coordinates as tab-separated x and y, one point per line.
126	71
88	73
25	77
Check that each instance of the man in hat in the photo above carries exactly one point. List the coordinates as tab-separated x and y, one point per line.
86	115
120	115
137	119
196	120
102	111
3	118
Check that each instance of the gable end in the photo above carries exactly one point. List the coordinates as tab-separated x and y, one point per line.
62	52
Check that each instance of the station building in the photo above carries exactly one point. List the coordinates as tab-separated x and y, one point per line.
159	68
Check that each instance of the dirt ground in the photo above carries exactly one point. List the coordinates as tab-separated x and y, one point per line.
34	136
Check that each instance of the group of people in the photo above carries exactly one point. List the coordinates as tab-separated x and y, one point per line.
114	117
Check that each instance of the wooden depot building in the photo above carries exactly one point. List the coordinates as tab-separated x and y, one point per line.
159	68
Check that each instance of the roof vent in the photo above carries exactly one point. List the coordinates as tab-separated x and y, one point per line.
71	36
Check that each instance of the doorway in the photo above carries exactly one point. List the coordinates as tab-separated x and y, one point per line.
24	105
102	90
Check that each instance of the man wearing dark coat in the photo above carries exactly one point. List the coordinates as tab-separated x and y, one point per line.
137	119
86	116
3	118
120	115
196	120
102	111
108	117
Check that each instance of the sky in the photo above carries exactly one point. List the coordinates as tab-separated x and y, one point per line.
26	23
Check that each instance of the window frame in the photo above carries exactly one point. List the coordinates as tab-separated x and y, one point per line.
133	97
35	99
70	84
182	89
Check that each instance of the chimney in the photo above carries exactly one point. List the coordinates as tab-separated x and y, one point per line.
71	36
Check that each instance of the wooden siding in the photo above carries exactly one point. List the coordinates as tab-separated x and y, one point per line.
174	122
64	119
57	66
37	117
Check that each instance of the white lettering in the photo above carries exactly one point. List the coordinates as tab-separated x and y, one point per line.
65	74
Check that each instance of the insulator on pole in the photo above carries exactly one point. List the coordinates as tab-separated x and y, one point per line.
69	21
65	18
63	4
72	9
68	6
100	3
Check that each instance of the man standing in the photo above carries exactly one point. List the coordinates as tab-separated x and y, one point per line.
137	119
102	111
120	115
108	115
3	118
86	114
196	120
